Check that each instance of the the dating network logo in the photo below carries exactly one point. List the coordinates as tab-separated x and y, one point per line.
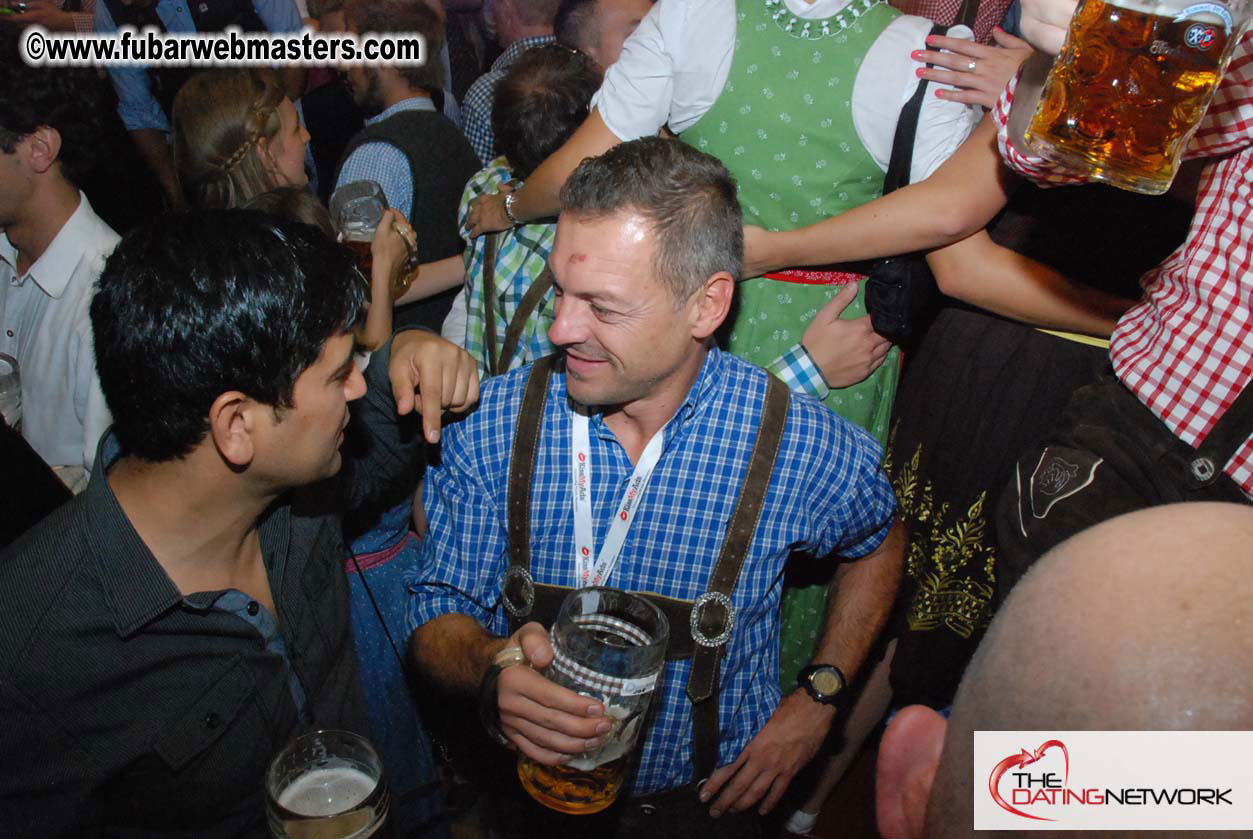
1045	781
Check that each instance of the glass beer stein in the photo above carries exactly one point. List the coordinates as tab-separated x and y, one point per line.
326	785
1131	84
356	210
610	646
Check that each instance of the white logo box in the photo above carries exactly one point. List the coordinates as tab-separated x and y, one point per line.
1113	780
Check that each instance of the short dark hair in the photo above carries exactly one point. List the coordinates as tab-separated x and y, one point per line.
687	198
191	306
540	102
576	24
384	16
68	99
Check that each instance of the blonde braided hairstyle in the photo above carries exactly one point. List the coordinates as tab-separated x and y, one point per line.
220	118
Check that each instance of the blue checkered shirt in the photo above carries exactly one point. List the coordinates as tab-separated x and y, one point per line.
476	110
827	495
385	164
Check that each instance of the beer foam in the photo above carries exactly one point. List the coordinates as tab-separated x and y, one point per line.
1165	8
326	792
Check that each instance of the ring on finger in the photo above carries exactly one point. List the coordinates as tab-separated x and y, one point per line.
971	66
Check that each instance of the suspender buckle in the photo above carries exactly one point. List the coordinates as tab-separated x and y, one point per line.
517	591
728	621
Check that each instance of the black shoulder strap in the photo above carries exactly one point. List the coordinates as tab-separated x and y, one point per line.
712	614
906	131
966	16
489	302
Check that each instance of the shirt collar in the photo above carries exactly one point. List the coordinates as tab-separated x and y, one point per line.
518	47
56	265
416	103
136	587
712	373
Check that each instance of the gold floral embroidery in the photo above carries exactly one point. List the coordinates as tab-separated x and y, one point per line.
952	567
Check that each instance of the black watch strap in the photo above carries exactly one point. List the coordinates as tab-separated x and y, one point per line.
824	683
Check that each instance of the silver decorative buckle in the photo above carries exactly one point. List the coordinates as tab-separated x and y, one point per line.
526	585
694	619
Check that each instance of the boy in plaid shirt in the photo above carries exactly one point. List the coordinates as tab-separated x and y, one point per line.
538	105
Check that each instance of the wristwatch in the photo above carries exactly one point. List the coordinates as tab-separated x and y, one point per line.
823	682
509	199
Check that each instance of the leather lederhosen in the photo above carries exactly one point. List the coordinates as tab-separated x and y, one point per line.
699	629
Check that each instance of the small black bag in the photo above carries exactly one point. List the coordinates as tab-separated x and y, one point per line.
900	290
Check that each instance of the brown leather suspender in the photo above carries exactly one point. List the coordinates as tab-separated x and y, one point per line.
699	629
499	363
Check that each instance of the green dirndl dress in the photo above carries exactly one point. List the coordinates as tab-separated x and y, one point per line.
783	126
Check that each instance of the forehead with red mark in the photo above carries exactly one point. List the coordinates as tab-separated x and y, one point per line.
576	258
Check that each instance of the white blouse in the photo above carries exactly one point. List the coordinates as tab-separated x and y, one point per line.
673	68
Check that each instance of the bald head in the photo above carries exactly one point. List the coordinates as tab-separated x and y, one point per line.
1144	622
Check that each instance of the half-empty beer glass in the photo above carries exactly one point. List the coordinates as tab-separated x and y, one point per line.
356	209
1131	84
326	785
608	645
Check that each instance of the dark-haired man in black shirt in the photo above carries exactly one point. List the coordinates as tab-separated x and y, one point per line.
164	634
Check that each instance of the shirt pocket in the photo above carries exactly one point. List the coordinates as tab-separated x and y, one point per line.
208	718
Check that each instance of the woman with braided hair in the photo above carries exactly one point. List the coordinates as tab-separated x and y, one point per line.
236	135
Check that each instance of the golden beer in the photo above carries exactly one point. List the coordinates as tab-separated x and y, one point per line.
1128	90
365	263
574	791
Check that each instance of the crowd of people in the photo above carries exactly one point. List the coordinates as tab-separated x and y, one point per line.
614	322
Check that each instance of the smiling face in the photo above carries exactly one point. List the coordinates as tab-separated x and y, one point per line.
303	441
284	153
625	337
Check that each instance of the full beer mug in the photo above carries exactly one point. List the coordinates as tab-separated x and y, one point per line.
610	646
1131	84
326	785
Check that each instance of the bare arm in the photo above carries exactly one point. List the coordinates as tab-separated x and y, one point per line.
434	277
984	274
538	197
862	596
455	650
957	200
156	151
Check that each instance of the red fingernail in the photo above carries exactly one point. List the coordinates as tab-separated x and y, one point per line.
920	71
930	39
916	54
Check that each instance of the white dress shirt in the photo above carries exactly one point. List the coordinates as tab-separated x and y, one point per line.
45	325
674	66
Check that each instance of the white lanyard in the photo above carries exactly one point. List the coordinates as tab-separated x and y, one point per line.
596	573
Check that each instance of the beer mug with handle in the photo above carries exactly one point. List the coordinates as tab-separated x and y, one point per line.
1131	84
356	210
610	646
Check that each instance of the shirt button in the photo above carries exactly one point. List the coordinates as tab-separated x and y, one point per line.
253	608
212	720
9	332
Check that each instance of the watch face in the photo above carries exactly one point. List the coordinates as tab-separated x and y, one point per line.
825	682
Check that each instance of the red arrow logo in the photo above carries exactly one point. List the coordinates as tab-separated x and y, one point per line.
1024	758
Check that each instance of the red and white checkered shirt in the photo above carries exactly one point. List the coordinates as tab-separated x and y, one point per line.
1187	349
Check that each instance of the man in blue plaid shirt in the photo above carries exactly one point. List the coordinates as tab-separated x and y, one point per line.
647	249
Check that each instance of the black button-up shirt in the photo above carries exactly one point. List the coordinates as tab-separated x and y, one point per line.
127	709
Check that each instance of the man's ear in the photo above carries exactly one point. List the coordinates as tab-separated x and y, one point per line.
712	304
909	754
45	147
233	424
